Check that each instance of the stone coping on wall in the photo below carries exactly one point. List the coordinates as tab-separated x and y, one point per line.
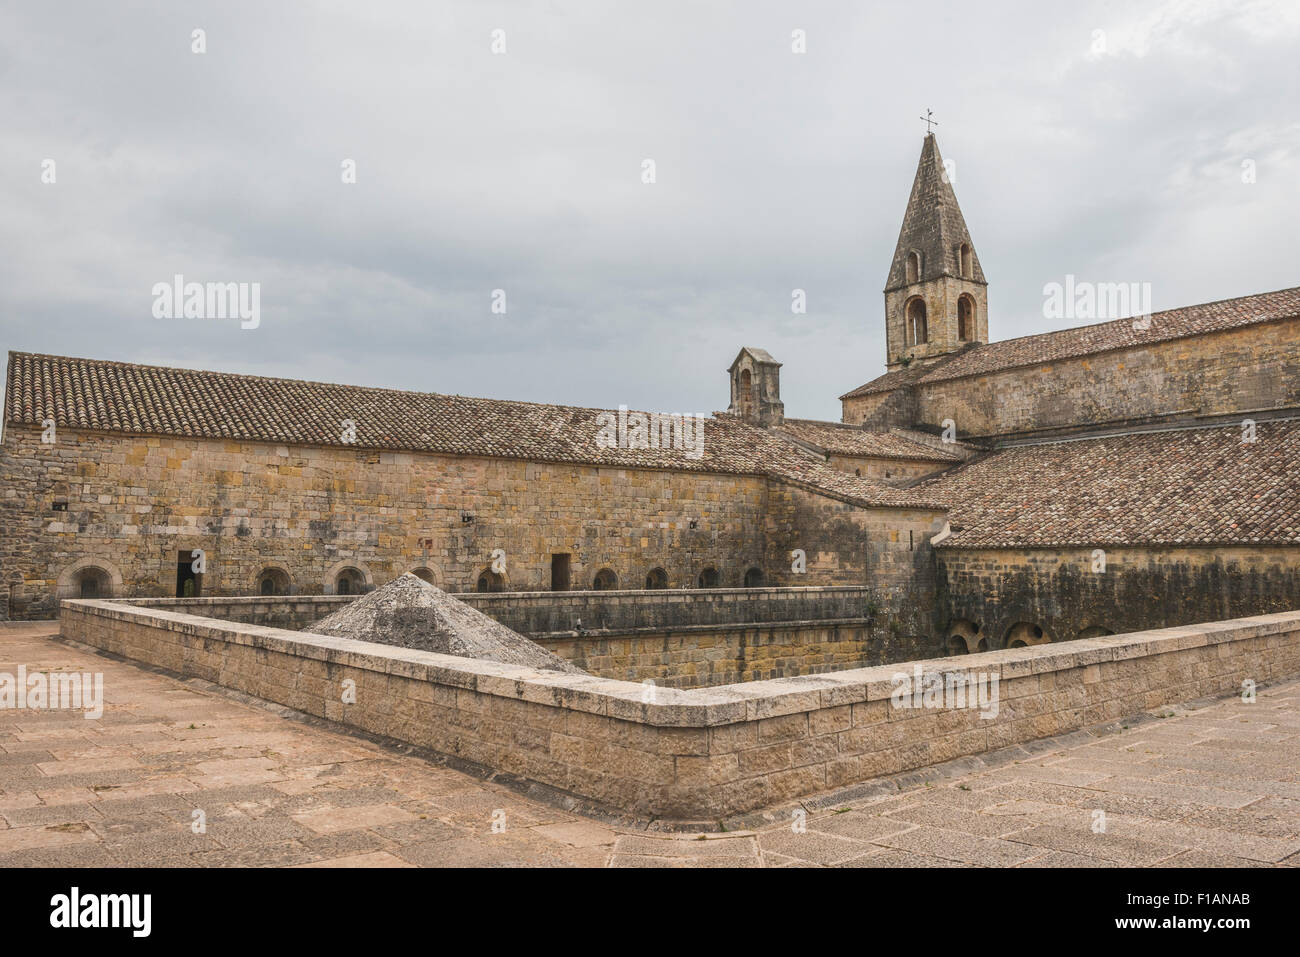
307	602
312	605
679	594
793	624
699	707
554	614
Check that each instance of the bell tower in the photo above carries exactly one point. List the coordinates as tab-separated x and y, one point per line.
756	388
936	296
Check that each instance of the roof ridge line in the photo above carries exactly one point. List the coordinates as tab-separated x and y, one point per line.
1162	312
281	380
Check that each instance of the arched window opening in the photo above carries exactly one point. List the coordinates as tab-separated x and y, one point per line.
963	637
917	330
754	578
605	580
424	574
965	318
745	396
658	578
1023	634
913	267
273	581
490	581
709	578
964	260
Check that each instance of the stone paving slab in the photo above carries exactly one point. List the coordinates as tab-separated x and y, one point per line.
1208	784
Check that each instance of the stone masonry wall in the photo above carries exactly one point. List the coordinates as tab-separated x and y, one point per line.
1251	368
886	470
940	296
858	410
134	504
708	656
703	754
1057	590
890	550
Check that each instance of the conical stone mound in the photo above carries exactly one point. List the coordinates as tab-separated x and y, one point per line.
410	613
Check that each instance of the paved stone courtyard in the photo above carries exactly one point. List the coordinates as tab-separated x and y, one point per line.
1205	785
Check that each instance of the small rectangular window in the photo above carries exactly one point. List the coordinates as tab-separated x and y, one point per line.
60	506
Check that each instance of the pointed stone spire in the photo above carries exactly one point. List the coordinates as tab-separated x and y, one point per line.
936	296
932	226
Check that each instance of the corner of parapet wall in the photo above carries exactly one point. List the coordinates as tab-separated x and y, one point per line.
694	754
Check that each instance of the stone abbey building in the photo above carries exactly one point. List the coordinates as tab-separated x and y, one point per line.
1104	478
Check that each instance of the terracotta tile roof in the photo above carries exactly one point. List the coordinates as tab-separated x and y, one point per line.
1200	486
850	440
894	379
99	395
1102	337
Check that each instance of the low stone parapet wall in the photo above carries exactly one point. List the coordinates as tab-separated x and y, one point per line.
543	612
291	612
720	636
705	655
704	753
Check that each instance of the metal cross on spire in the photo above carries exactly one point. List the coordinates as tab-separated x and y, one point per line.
928	122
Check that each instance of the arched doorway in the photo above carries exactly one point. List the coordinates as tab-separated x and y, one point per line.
93	582
90	578
349	581
488	580
964	637
273	581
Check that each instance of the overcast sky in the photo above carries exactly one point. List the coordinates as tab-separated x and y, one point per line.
1113	156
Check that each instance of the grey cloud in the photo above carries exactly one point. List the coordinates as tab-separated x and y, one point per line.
521	172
